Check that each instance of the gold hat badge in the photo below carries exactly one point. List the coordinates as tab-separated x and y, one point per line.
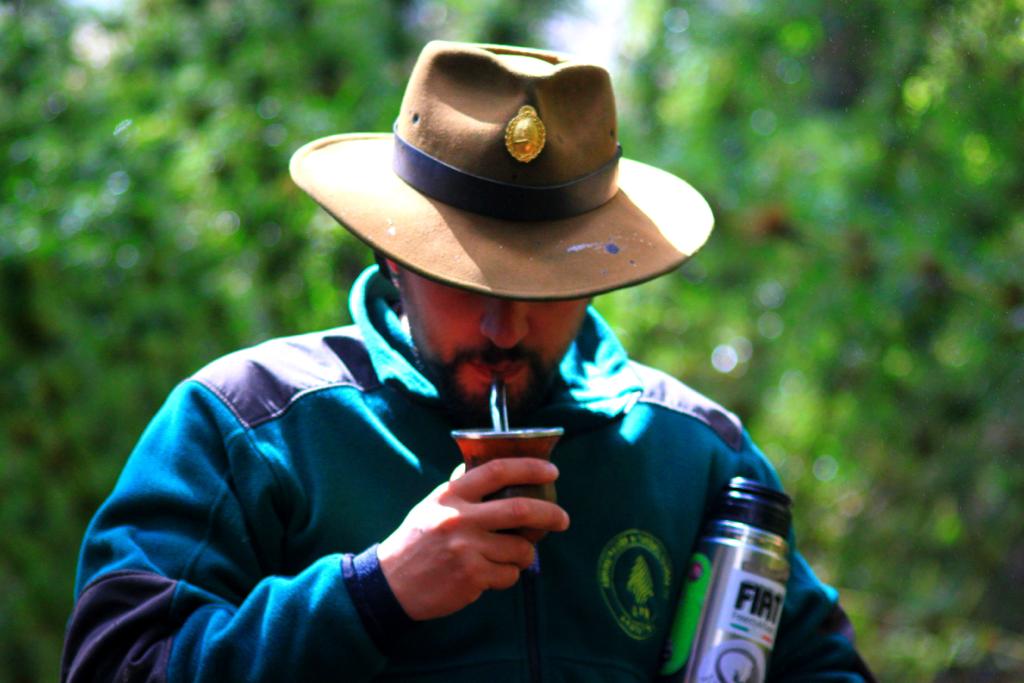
525	135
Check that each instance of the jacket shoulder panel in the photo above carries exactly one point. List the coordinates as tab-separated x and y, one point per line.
660	388
261	382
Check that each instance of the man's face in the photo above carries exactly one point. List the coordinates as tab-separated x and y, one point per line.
464	339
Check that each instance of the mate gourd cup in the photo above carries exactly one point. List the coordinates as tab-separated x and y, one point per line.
479	446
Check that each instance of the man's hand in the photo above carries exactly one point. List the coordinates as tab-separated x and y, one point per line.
448	551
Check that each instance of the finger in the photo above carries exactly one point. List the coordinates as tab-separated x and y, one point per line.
507	549
534	536
513	513
458	472
502	472
503	576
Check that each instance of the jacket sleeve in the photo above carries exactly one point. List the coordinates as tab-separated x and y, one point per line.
815	640
179	576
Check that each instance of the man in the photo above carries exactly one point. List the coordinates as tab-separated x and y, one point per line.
291	513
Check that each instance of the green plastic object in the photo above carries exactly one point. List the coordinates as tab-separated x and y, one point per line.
684	627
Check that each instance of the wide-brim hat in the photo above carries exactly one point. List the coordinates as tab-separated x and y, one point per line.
504	175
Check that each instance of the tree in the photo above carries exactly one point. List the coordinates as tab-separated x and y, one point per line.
148	225
860	304
640	584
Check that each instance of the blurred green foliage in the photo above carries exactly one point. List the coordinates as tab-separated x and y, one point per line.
861	304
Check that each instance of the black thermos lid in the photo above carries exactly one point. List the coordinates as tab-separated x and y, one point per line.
749	502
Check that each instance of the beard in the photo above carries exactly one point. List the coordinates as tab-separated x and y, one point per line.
467	410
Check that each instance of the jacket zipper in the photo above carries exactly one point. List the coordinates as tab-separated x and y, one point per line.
530	577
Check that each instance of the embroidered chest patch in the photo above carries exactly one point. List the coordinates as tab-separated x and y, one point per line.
634	573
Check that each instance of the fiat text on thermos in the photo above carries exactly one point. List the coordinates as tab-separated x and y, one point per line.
725	628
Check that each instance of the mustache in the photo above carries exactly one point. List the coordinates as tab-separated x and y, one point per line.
493	355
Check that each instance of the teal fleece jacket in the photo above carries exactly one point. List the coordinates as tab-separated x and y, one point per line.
225	551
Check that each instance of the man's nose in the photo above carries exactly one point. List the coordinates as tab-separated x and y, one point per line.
504	322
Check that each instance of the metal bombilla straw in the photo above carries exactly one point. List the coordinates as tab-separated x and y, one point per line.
499	405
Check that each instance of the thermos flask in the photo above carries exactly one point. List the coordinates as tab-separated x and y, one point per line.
725	628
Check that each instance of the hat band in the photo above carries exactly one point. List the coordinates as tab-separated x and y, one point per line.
469	192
